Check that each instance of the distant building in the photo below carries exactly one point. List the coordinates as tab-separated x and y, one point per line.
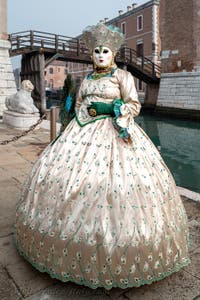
78	70
55	75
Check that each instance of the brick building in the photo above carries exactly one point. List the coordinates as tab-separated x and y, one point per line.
180	60
55	74
178	44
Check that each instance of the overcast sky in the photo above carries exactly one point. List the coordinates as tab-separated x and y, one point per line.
67	17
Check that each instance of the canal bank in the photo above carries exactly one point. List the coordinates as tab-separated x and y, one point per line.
172	112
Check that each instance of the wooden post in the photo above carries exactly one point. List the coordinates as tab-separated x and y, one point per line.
142	57
42	82
18	42
78	47
130	56
31	38
56	42
153	69
52	123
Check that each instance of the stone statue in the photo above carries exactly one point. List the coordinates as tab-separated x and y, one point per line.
22	102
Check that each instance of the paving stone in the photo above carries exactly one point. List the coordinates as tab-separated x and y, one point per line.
194	267
9	195
28	279
8	157
9	254
192	209
8	290
18	174
194	230
31	152
179	286
69	291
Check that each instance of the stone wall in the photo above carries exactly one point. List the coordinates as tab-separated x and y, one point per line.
7	81
180	90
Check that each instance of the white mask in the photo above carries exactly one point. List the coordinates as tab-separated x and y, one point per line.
102	56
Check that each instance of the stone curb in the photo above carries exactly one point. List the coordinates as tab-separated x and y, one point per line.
189	194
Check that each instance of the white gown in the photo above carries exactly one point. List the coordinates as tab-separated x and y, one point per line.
98	209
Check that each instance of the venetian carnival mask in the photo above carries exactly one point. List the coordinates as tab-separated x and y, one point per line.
102	57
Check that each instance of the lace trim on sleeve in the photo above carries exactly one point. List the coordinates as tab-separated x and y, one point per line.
123	133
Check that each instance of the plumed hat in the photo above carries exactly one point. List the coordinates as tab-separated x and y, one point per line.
102	35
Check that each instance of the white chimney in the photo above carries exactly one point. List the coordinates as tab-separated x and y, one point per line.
134	5
120	12
128	8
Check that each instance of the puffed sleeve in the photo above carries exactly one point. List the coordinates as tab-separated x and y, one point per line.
130	106
79	98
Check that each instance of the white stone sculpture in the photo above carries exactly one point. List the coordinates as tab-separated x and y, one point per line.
22	102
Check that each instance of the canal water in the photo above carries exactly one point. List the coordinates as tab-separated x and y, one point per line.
179	144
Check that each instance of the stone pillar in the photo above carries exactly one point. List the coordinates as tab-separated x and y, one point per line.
180	60
151	95
7	81
155	31
196	34
3	19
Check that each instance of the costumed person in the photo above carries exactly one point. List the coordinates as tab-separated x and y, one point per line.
100	207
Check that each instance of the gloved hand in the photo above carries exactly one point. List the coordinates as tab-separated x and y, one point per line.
100	108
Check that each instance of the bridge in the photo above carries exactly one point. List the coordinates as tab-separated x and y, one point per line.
39	49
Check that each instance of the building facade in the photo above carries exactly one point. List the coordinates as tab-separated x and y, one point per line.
55	75
180	60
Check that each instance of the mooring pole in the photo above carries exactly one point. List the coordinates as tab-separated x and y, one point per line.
52	123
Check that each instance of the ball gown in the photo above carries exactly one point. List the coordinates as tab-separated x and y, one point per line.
98	208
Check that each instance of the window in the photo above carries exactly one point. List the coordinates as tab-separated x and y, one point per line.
123	27
51	83
50	70
139	22
58	70
139	85
140	50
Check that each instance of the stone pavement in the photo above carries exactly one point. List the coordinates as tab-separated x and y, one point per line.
19	280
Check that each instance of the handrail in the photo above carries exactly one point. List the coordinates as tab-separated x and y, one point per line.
38	39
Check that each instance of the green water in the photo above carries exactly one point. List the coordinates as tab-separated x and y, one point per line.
179	144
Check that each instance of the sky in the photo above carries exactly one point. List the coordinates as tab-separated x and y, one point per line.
62	16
